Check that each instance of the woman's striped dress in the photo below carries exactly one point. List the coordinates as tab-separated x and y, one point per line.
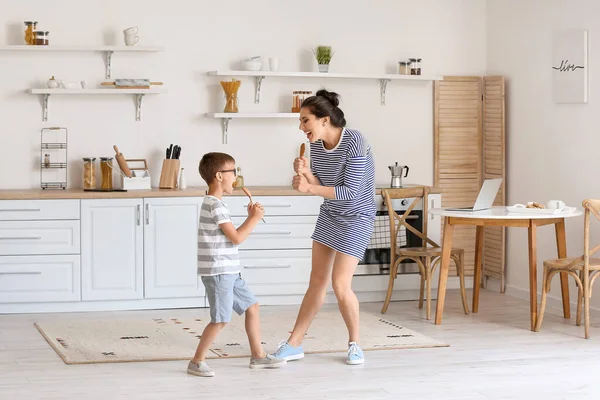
346	223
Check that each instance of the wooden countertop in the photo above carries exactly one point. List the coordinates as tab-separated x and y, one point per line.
40	194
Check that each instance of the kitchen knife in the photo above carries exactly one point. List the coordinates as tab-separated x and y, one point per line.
170	151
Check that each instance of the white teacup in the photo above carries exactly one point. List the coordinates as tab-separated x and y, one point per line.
130	40
555	205
131	31
273	64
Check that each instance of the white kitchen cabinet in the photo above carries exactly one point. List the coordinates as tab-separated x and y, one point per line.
171	247
112	249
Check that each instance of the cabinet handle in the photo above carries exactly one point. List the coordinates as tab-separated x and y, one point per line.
273	205
22	238
138	214
21	209
266	266
432	206
272	233
147	214
22	273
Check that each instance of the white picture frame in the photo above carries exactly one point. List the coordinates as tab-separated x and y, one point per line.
570	66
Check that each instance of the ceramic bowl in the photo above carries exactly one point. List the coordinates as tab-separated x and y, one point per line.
251	65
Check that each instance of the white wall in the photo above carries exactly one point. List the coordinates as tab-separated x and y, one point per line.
368	36
552	148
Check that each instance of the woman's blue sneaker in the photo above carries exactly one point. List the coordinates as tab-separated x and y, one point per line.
355	354
288	352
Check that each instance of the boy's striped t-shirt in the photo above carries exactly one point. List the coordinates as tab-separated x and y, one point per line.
216	253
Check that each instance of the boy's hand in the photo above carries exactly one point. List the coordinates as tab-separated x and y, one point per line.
255	211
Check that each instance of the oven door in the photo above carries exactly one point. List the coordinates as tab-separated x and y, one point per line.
376	260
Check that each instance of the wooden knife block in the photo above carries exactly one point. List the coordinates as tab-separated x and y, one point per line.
169	174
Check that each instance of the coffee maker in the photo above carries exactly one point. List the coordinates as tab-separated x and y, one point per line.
397	174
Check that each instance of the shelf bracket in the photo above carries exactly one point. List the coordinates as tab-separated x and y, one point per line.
109	55
45	107
138	106
259	80
225	123
383	84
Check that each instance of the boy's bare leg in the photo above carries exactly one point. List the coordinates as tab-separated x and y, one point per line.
208	337
253	331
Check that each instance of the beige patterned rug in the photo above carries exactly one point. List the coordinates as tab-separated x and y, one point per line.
87	341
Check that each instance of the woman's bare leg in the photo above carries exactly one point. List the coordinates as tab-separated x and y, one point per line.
320	275
343	271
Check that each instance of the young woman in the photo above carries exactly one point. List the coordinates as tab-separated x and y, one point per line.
341	171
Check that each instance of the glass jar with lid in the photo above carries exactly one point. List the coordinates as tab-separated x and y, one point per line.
89	172
298	97
42	38
30	27
417	67
404	68
106	169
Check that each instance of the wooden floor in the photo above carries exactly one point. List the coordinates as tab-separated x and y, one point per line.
493	355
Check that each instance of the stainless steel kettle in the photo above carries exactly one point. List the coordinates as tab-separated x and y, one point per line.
397	174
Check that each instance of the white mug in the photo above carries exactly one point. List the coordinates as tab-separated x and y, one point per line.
555	205
273	64
131	31
130	40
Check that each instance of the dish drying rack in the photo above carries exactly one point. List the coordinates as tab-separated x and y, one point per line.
53	169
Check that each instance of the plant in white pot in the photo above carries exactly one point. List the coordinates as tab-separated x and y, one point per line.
323	55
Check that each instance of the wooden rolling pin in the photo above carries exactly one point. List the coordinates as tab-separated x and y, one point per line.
122	162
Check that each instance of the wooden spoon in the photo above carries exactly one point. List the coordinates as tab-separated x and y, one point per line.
302	149
250	197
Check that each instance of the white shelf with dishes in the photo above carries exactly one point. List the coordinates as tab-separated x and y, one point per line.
138	93
383	79
107	50
226	117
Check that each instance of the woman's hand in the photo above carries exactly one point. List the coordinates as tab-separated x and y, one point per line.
301	165
301	184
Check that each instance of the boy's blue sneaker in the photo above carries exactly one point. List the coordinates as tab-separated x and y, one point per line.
286	351
355	354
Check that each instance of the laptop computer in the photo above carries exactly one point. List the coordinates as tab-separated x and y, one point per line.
486	196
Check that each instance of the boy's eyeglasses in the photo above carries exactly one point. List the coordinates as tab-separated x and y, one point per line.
229	170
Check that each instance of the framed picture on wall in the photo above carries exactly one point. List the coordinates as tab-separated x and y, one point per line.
570	66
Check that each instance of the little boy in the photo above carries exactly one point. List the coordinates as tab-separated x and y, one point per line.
219	265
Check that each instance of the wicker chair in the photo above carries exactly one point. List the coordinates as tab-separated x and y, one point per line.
584	269
427	257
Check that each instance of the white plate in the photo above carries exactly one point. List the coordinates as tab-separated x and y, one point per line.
550	211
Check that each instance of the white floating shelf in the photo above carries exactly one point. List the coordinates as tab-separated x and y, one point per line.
383	79
139	94
107	50
252	115
51	47
97	91
326	75
226	117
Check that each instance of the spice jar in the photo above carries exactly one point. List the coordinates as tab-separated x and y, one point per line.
42	38
46	160
298	97
417	67
404	68
89	173
30	27
106	168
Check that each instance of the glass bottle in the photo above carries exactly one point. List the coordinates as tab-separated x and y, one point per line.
239	180
30	27
89	173
106	168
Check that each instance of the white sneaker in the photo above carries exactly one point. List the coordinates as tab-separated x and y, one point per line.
201	369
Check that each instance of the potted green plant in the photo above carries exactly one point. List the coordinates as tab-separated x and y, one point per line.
323	55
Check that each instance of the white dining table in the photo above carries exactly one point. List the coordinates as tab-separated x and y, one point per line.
501	216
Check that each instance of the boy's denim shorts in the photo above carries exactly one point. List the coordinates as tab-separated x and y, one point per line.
225	293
